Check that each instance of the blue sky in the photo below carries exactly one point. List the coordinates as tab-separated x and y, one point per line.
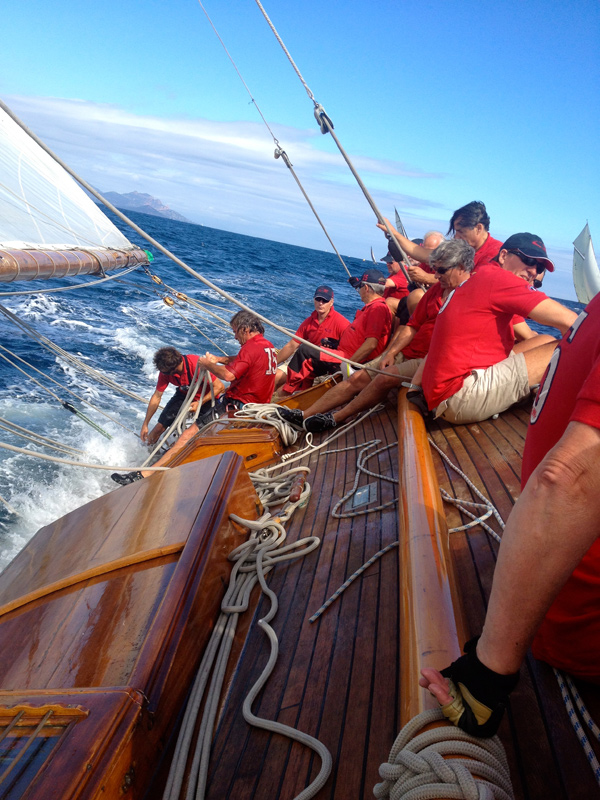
437	103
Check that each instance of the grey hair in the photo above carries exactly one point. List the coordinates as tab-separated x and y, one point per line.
454	253
376	288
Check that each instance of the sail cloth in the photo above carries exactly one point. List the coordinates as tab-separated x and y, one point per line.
49	227
586	276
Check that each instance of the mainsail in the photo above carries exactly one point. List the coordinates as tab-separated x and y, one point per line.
49	227
586	276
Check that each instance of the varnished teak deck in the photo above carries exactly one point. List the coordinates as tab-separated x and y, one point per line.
338	679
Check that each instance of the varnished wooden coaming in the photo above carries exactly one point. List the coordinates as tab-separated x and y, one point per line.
139	628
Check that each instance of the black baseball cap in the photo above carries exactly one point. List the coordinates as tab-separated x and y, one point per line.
530	245
388	258
326	292
372	276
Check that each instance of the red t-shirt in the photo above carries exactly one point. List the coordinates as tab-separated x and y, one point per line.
371	321
332	327
569	637
183	381
473	329
254	368
488	250
400	288
426	267
423	320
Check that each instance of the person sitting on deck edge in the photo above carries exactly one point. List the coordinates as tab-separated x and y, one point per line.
251	374
556	609
323	327
364	339
474	369
453	263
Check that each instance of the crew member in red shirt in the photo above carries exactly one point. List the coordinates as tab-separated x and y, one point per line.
323	327
474	369
364	339
471	223
251	374
178	370
453	263
557	608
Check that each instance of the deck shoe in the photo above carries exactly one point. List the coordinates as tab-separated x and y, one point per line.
292	415
320	422
129	477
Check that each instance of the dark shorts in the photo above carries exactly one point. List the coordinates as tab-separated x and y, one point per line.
402	310
172	408
221	408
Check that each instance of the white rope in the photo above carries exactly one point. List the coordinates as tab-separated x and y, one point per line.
572	698
57	383
9	507
252	561
363	457
31	436
68	462
417	770
462	504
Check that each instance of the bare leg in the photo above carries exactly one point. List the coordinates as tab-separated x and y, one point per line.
534	341
412	301
537	360
179	445
155	433
373	393
340	393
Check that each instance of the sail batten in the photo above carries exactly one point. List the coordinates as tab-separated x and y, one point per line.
50	227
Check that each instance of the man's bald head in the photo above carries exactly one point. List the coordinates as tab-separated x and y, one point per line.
432	239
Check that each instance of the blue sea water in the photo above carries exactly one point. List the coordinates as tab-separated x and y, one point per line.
116	327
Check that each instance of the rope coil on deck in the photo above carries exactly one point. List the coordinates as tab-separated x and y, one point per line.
417	770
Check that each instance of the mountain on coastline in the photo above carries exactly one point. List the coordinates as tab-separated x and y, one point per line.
138	201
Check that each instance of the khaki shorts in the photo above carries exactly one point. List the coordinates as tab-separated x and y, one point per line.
407	370
486	392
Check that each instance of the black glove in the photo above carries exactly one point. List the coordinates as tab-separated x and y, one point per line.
417	398
354	282
479	693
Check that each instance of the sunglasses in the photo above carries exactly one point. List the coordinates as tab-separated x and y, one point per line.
321	300
442	270
530	262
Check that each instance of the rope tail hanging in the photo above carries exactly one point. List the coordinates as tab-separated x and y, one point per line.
326	126
279	151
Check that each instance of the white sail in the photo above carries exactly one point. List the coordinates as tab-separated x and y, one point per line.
41	206
586	276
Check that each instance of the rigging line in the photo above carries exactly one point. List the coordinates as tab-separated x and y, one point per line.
78	286
279	151
17	430
189	322
164	250
58	351
22	451
64	388
326	126
35	440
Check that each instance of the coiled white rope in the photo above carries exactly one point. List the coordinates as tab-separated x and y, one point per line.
252	561
417	770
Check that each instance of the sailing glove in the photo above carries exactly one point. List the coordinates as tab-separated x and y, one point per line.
417	398
479	693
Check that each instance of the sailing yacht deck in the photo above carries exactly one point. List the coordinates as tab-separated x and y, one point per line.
337	678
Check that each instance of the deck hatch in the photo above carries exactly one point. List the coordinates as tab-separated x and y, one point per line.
362	496
27	738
